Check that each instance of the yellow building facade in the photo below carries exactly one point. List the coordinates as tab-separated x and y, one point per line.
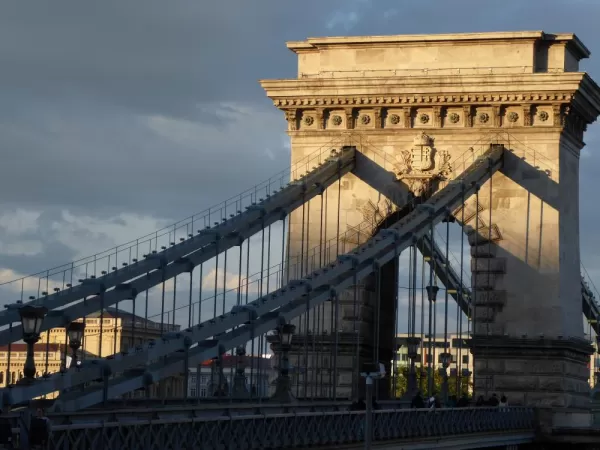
105	334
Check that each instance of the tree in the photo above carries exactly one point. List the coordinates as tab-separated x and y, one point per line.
400	382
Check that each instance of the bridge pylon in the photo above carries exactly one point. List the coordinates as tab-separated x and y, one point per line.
416	105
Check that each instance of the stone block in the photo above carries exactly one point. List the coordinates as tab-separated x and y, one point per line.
489	366
490	298
484	235
552	383
345	378
576	370
515	366
489	329
493	265
484	314
577	386
486	281
549	400
482	384
484	251
515	398
519	382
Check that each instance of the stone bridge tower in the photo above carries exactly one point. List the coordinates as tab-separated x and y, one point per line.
446	95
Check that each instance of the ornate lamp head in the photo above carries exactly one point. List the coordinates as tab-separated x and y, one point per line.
31	319
412	344
432	292
286	332
446	359
75	331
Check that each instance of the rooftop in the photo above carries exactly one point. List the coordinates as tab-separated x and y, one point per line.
231	361
314	42
114	313
22	347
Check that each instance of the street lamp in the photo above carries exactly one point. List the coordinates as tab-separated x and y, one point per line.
283	393
32	318
75	331
431	296
446	360
219	386
432	292
370	371
239	380
413	345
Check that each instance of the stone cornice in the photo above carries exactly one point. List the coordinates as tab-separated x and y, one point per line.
450	83
587	99
543	132
516	98
567	101
568	87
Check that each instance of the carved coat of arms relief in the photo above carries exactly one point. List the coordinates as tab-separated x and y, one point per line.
421	164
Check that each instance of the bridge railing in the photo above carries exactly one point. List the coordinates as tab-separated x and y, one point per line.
57	283
290	430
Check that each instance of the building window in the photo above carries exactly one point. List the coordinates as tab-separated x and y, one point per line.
193	392
465	359
203	392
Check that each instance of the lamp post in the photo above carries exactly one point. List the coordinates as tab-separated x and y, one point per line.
431	296
283	392
219	386
446	359
75	331
370	372
239	380
32	318
412	344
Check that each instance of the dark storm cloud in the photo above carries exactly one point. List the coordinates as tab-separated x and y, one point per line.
154	108
152	55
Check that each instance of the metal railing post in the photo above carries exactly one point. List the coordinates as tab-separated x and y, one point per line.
369	413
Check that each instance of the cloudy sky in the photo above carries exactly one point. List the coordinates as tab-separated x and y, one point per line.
117	118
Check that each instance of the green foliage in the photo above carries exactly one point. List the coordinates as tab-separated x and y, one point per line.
400	382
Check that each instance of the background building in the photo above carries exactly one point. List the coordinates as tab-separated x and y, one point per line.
51	355
258	371
460	364
105	334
